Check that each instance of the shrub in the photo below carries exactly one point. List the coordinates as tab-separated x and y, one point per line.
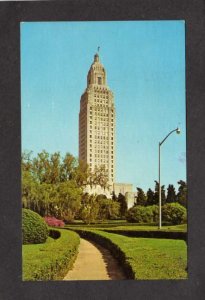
52	221
34	228
140	214
174	213
155	211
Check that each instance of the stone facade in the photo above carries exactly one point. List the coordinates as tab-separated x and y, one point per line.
97	122
122	188
125	189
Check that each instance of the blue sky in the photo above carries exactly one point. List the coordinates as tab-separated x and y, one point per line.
145	64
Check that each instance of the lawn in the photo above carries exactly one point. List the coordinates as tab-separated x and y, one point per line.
149	258
50	260
181	228
124	225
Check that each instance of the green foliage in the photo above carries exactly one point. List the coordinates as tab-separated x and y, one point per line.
53	186
141	197
150	197
89	208
114	197
155	213
52	260
156	194
144	258
182	193
174	213
123	205
140	214
34	228
171	194
108	209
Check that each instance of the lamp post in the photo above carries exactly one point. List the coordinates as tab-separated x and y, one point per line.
160	196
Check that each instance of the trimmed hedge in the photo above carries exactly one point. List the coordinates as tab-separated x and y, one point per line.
151	234
34	228
52	260
143	258
115	250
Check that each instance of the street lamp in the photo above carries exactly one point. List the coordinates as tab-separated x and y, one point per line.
160	196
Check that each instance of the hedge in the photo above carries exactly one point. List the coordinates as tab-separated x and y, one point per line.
34	228
143	258
115	250
52	260
151	234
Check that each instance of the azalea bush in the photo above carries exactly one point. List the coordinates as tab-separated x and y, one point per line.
52	221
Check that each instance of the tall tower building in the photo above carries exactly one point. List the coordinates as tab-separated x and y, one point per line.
97	122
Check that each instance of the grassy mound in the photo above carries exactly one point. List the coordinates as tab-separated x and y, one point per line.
52	260
34	228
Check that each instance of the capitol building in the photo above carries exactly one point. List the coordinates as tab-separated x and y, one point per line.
97	128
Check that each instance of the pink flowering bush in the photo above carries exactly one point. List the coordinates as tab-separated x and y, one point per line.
52	221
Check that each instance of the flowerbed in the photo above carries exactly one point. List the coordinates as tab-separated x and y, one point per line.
52	221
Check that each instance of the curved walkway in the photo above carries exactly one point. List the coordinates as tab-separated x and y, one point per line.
94	263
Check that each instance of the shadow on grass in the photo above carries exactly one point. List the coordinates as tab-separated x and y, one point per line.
115	271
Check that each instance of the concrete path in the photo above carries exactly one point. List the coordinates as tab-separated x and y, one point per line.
94	263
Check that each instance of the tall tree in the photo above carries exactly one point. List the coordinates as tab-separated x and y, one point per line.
99	177
68	166
156	194
182	193
81	174
171	194
114	197
141	197
150	197
89	208
123	205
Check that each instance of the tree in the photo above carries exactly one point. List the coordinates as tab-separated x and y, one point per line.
171	194
99	177
69	200
156	194
81	174
29	190
182	193
68	167
114	197
123	205
89	208
150	197
141	197
52	186
108	209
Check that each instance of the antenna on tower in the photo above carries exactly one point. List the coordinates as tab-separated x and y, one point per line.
98	49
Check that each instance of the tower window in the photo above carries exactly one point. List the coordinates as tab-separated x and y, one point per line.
99	80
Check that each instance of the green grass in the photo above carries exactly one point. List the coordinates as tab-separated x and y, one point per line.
132	226
181	228
150	258
52	259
